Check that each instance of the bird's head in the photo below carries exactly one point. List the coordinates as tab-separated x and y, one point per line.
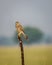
17	22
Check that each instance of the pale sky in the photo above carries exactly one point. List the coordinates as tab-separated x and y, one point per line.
36	13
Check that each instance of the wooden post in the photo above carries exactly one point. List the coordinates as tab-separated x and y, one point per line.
22	51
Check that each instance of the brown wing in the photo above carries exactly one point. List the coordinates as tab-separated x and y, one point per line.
21	28
18	25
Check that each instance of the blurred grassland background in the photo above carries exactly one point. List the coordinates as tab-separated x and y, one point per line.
34	55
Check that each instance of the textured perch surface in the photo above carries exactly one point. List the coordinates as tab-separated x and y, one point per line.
22	51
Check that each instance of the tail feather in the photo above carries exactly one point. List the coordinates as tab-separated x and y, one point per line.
26	37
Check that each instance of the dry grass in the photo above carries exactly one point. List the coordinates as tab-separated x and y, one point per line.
34	55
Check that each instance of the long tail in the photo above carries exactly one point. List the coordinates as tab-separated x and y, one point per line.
22	33
25	36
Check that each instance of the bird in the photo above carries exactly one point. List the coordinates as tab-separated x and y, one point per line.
20	30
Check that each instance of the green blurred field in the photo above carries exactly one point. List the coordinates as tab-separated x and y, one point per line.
34	55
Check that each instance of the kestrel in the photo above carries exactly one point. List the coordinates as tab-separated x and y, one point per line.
20	30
